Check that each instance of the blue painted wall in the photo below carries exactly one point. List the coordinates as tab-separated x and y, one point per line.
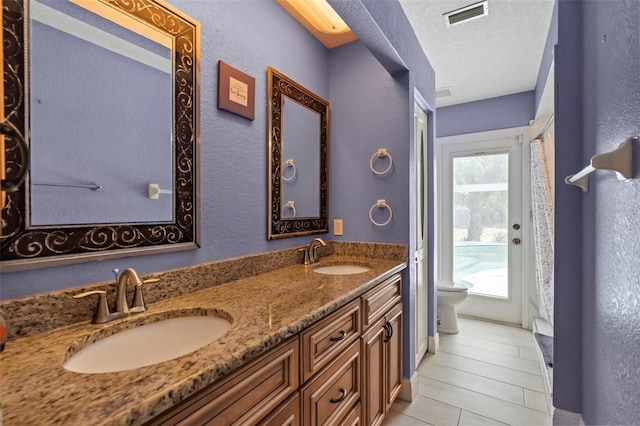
569	211
547	56
356	105
488	114
597	292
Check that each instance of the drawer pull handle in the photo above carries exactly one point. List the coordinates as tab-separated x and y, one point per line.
343	395
342	335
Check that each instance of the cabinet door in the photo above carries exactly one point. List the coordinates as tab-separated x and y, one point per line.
373	373
393	355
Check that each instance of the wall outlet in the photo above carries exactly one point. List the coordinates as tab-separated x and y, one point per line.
337	226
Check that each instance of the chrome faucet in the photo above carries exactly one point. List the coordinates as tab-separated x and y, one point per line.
313	249
102	313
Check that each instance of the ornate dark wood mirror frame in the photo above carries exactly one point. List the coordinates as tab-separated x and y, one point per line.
24	246
280	85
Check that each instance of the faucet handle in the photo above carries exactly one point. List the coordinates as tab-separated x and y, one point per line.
138	296
305	254
102	314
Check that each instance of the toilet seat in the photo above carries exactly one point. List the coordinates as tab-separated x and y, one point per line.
451	286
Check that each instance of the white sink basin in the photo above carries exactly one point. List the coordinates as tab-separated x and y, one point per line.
341	269
148	344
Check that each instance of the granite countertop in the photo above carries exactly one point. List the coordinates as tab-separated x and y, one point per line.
265	309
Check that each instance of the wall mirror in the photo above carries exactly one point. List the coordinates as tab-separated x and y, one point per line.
105	92
298	169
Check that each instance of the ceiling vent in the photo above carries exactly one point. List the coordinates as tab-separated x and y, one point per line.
467	13
444	92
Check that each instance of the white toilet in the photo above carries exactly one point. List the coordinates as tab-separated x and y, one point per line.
449	295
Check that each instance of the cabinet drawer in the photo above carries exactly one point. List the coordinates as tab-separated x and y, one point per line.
354	418
378	301
243	397
287	414
330	396
325	340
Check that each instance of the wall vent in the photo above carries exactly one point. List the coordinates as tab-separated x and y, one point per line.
444	92
467	13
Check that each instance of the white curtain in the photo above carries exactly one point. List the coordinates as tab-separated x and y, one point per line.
542	204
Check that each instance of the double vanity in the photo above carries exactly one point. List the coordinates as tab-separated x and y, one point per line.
310	343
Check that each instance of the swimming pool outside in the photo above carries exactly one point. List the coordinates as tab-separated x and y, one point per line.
483	264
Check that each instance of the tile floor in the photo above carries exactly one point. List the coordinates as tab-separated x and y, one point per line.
487	374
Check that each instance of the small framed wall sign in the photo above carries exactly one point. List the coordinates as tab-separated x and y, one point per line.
236	91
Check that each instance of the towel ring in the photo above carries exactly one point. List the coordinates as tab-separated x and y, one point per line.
289	163
382	152
292	206
380	204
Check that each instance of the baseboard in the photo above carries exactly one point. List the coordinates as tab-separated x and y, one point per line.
409	388
564	417
434	344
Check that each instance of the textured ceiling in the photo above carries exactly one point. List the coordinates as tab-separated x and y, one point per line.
495	55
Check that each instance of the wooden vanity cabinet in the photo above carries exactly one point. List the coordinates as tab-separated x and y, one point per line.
344	370
381	350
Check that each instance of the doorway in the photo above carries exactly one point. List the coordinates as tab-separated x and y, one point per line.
481	222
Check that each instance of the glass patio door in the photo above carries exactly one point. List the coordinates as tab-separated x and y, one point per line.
481	218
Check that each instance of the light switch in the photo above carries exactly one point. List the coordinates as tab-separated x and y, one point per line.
337	226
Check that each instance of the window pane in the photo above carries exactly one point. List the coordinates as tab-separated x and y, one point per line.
480	223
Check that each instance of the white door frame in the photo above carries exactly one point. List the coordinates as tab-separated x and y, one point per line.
522	133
